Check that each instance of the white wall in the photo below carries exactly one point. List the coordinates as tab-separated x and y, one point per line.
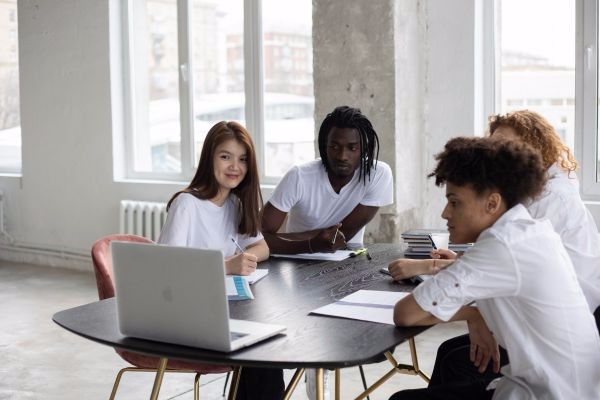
67	197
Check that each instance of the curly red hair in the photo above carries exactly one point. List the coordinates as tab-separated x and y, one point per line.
536	131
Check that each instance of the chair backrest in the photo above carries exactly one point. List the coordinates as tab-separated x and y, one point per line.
102	260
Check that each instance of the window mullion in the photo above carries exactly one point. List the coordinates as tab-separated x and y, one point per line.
253	77
586	145
487	57
186	102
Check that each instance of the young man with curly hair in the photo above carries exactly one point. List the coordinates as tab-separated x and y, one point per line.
560	203
517	272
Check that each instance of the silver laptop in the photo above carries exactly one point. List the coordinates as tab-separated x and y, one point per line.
177	295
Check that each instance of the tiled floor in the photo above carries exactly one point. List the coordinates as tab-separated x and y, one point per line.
38	359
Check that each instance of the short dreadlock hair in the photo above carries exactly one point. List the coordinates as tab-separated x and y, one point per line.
348	117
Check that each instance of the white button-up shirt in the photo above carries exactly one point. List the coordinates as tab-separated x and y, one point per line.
526	289
561	204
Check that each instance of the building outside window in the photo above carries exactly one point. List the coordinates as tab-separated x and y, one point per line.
537	60
192	63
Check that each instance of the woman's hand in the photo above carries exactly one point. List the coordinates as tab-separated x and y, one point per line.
241	264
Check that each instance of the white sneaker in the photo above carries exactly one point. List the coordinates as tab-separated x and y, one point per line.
311	384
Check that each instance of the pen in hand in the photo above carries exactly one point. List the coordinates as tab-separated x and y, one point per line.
432	242
335	235
237	245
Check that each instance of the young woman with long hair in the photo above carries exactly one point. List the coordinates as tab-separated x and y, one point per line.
222	202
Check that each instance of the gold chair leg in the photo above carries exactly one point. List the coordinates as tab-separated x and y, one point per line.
320	384
235	382
293	383
337	384
117	381
160	372
197	387
156	371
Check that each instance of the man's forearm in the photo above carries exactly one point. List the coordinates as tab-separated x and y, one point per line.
289	243
466	313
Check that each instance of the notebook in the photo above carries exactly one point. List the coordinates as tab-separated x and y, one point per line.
177	295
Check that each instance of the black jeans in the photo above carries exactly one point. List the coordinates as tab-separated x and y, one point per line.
452	364
454	375
456	391
260	384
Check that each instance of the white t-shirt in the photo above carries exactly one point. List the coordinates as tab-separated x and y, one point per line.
561	204
306	194
526	289
192	222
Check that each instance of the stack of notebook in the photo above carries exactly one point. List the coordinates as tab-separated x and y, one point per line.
418	243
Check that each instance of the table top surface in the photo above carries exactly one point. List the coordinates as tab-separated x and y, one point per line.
286	296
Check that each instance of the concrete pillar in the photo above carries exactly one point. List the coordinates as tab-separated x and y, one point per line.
369	54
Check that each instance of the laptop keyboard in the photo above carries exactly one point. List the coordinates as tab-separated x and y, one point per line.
236	335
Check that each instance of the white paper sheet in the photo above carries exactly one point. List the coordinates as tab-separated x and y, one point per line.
365	305
257	275
339	255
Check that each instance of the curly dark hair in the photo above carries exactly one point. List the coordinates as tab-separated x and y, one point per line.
349	117
512	168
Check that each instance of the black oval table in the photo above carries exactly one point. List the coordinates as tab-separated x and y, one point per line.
286	296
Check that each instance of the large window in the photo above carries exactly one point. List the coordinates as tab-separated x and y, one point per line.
588	144
192	63
10	122
537	60
549	63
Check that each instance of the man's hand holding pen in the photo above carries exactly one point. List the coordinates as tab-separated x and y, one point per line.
328	240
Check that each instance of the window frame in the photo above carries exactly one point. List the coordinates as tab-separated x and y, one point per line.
586	90
253	90
15	171
586	96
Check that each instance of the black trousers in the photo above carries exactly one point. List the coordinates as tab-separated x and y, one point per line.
260	384
452	364
454	375
456	391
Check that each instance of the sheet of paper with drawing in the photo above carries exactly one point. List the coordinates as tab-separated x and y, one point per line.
238	288
365	305
339	255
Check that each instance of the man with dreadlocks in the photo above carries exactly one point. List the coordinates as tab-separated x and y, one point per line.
329	201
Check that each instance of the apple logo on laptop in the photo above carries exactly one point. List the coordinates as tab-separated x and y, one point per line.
167	294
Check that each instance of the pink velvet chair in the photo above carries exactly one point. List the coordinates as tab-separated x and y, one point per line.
102	260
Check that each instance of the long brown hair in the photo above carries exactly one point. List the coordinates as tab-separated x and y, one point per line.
204	185
536	131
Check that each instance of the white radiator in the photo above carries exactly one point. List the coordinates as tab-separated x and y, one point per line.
142	218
